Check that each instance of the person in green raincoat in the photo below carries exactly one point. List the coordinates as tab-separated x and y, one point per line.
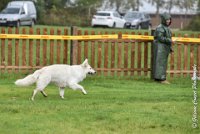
162	47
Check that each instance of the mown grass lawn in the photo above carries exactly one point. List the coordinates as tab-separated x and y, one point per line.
112	106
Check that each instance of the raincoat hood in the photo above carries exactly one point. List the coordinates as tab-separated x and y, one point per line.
164	18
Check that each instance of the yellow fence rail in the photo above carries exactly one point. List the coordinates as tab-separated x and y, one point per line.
93	37
57	37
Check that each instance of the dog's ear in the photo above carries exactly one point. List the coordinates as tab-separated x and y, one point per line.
85	63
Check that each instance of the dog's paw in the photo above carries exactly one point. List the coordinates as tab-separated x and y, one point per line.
62	97
32	99
84	92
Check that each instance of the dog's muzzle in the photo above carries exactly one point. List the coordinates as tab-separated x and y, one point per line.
91	73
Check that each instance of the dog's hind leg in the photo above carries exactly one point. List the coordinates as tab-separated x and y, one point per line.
43	93
34	93
77	86
42	82
62	92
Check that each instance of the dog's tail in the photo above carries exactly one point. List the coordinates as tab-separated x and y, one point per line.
29	80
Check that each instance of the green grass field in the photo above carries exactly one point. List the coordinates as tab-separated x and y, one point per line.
112	106
128	105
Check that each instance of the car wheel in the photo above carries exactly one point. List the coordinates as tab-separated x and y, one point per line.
124	26
32	23
149	27
139	27
114	25
18	24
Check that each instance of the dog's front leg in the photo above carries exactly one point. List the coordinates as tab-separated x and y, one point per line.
62	92
77	86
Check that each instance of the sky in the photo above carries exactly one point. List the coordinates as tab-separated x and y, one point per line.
147	7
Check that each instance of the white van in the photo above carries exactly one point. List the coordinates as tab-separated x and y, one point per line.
19	13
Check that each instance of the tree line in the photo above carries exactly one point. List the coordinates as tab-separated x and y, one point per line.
79	12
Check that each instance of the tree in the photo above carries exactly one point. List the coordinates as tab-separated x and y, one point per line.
122	5
40	7
88	6
56	3
4	3
186	4
195	23
198	8
159	4
170	4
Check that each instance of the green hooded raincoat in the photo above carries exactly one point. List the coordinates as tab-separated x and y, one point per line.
161	48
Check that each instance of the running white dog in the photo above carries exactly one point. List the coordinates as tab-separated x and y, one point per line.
60	74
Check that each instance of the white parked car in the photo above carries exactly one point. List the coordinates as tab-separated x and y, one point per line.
108	19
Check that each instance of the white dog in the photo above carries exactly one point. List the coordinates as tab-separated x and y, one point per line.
60	74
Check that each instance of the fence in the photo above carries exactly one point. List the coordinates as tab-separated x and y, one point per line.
110	57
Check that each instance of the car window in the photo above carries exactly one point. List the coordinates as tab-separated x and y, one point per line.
132	15
116	14
22	11
147	16
102	14
142	16
11	11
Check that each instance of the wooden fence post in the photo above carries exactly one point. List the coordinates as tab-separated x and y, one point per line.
10	52
73	49
3	62
152	55
119	58
24	49
58	47
44	51
38	49
17	51
52	44
31	48
65	53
